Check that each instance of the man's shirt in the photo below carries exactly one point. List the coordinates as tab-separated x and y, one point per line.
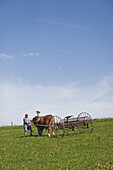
26	120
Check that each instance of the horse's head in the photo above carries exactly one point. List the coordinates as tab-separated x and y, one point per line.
35	120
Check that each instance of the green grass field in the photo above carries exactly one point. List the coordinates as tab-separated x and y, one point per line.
74	151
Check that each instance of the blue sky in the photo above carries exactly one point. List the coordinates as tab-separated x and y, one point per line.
56	56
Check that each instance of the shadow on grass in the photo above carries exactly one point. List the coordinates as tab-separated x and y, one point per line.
36	136
70	133
32	136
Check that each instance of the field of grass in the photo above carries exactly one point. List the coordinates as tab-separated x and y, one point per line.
74	151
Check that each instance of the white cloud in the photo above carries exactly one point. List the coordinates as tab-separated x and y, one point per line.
4	56
31	54
107	81
36	54
101	94
104	88
61	23
59	100
57	71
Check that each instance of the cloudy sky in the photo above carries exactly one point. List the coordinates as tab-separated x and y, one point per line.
56	56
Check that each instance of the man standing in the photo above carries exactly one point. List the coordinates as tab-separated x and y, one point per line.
27	126
37	112
39	128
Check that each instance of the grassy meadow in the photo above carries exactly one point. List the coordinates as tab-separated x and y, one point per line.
74	151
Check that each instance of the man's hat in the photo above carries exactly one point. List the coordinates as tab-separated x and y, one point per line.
38	111
26	114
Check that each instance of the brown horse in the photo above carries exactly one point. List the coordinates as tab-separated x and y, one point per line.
44	122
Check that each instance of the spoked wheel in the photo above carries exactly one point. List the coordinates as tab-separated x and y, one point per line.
85	122
59	127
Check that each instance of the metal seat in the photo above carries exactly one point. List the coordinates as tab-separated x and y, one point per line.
67	117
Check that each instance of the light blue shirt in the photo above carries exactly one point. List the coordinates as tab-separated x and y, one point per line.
26	120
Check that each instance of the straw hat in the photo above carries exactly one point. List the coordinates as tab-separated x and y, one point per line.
38	111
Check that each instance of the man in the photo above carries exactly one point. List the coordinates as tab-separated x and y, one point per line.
37	112
27	126
39	130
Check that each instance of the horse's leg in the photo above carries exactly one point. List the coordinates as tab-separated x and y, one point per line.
38	131
53	128
49	134
41	132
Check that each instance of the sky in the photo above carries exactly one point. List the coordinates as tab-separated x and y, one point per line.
56	56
